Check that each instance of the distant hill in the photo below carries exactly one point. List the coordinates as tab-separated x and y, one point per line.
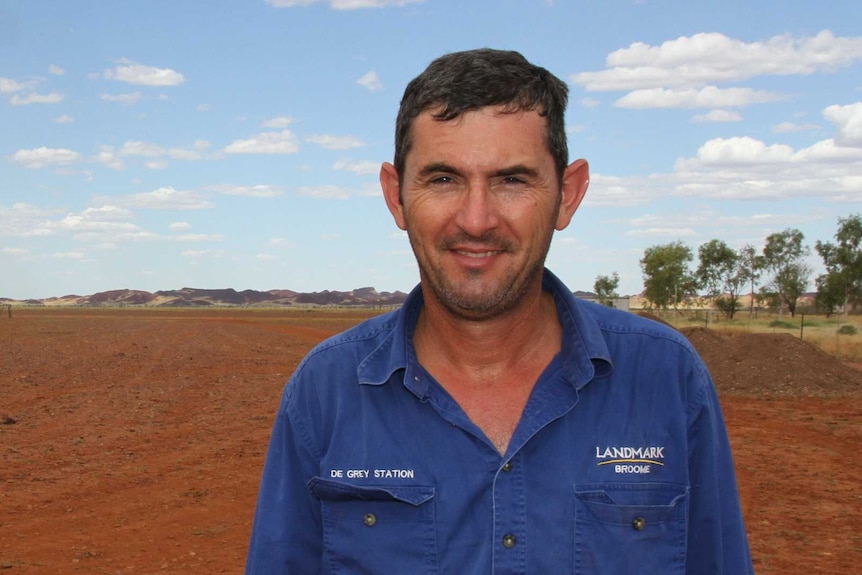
194	297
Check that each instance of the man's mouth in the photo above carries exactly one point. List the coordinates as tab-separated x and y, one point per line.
477	255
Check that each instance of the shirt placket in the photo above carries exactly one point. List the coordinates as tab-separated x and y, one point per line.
510	518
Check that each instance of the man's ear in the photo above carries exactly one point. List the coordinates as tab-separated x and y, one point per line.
392	193
576	180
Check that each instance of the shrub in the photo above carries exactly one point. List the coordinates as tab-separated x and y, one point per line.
782	324
847	329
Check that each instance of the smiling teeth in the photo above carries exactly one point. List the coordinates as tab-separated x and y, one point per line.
477	255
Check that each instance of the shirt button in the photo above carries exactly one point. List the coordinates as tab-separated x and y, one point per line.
369	519
638	523
508	541
507	466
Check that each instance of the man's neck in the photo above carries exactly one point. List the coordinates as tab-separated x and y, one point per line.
484	350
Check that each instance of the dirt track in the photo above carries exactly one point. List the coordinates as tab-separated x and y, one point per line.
132	441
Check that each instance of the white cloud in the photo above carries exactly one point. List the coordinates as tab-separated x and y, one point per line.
140	148
56	70
104	225
122	98
34	98
165	198
717	116
711	219
256	191
42	157
707	58
741	169
198	151
670	232
8	86
335	142
108	157
745	168
64	119
278	123
204	108
326	192
26	220
370	81
283	142
142	75
199	237
107	218
201	253
15	252
156	164
68	255
617	191
790	127
739	150
848	120
179	226
282	243
342	4
590	102
707	97
363	168
333	192
266	257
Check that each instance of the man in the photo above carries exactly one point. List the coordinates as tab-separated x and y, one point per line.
495	424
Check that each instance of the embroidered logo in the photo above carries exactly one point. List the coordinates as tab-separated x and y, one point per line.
631	459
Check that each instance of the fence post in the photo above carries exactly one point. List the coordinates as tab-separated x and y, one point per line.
801	324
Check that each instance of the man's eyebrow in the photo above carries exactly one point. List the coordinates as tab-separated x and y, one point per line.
517	170
438	168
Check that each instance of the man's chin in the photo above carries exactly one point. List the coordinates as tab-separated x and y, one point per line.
475	305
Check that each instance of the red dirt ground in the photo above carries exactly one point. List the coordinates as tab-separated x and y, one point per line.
131	441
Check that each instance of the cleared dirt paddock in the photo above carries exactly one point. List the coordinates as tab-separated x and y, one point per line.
131	441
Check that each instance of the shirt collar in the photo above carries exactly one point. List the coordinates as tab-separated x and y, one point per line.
584	354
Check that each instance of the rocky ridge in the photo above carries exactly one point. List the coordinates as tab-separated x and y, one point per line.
195	297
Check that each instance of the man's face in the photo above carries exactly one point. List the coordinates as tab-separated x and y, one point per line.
480	199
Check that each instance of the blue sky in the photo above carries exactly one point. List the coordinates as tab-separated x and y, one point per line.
159	145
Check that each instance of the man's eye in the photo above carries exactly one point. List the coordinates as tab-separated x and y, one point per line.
442	180
512	180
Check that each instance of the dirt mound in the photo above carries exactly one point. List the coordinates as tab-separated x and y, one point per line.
767	364
648	315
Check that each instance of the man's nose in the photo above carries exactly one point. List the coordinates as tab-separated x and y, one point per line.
477	210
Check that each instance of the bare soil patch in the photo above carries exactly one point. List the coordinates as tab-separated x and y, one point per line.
131	441
772	364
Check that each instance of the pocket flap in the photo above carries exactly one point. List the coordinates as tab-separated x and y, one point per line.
328	490
623	503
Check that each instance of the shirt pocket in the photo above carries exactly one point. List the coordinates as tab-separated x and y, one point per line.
623	528
377	529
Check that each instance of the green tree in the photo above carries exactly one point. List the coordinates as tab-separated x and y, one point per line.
783	259
751	264
843	261
667	279
606	288
830	292
721	274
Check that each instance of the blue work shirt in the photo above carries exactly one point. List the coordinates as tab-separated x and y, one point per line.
620	463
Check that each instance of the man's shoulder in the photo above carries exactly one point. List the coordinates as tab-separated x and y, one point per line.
619	323
362	336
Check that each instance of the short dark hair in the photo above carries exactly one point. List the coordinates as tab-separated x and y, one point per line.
463	81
